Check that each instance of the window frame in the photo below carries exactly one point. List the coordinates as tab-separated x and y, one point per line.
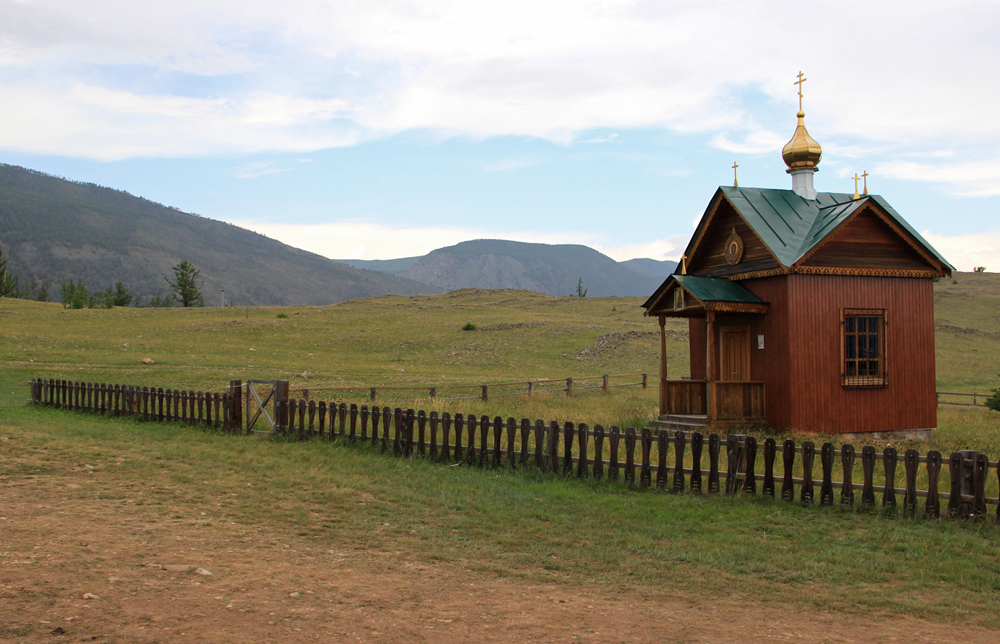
878	380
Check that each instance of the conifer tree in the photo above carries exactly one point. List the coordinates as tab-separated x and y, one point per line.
8	281
186	286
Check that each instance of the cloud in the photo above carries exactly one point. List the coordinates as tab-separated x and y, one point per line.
363	240
966	252
756	142
259	169
610	138
108	124
112	79
968	179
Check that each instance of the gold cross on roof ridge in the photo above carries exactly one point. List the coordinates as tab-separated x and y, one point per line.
799	83
736	182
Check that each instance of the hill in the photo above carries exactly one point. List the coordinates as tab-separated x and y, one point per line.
544	268
54	228
651	267
507	264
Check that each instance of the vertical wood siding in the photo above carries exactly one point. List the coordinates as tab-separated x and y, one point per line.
817	400
800	363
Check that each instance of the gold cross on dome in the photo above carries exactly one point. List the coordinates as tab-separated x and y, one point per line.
856	179
799	83
865	176
736	182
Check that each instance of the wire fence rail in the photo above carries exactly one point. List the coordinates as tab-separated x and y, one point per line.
977	399
528	387
642	458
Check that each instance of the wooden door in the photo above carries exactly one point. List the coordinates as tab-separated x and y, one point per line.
735	353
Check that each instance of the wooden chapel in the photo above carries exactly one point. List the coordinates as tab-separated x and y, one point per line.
810	311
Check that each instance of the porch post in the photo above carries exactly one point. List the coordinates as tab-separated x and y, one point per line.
663	365
711	369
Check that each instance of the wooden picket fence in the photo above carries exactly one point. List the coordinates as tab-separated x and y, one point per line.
640	458
579	451
157	404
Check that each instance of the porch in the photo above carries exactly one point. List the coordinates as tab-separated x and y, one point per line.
727	394
720	401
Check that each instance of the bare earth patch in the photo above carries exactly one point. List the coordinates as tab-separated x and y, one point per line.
81	562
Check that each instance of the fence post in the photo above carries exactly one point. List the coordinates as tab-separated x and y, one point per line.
374	393
281	391
605	387
236	402
697	442
486	393
644	381
569	386
531	389
889	465
847	490
433	392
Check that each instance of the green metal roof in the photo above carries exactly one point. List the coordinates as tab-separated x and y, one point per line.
791	225
708	289
716	289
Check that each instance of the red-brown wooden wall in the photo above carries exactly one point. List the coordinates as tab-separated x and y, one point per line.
800	362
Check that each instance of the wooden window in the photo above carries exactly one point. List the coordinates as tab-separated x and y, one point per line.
863	349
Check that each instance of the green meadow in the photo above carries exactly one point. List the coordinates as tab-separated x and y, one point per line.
511	523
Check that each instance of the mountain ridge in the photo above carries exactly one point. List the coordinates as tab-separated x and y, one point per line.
59	229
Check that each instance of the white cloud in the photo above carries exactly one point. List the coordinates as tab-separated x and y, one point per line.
979	178
259	169
520	67
965	252
610	138
354	240
756	142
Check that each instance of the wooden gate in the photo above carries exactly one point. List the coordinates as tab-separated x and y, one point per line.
261	394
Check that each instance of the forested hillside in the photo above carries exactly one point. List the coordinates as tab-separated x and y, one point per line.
57	229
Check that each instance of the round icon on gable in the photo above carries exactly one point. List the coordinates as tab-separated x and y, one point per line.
734	248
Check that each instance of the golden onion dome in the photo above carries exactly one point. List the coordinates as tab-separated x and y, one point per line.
802	151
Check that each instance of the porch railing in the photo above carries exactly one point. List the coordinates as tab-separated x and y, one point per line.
686	397
720	400
732	400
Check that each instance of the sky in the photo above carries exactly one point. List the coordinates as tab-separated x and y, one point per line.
378	129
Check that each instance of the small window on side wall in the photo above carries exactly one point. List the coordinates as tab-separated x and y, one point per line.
863	349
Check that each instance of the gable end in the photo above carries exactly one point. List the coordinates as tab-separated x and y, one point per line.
707	253
869	242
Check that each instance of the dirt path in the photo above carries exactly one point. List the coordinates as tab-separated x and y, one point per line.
78	563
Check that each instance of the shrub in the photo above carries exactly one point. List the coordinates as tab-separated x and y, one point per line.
993	402
469	326
282	315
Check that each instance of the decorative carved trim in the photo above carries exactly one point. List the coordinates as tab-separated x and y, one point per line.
734	248
736	307
771	272
865	272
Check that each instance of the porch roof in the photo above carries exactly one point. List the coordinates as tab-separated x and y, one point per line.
714	293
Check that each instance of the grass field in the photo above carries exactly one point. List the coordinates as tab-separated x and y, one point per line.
493	526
